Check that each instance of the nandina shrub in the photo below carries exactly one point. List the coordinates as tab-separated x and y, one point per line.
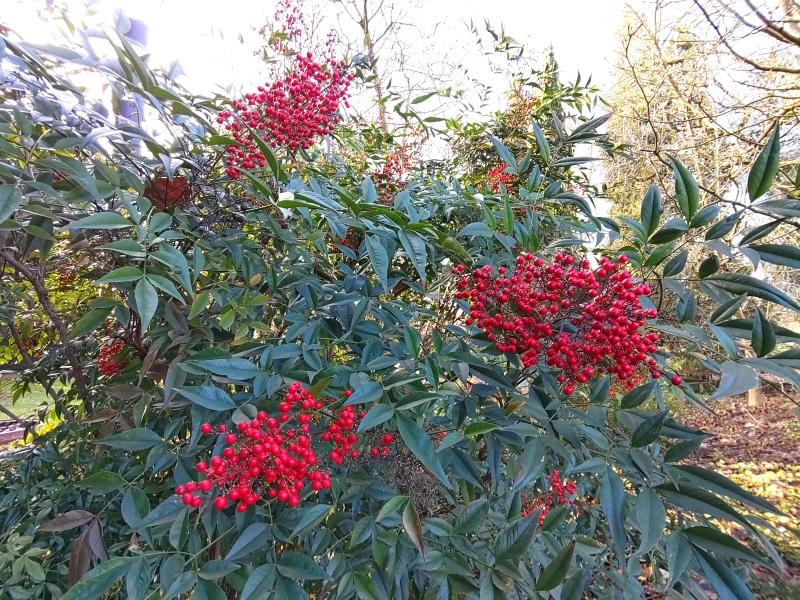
249	410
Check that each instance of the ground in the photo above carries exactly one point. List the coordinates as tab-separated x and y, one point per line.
757	444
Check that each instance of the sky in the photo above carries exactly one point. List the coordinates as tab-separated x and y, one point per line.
214	40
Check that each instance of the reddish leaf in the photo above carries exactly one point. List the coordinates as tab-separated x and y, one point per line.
79	558
67	520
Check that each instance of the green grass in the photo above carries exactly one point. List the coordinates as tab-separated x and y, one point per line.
27	404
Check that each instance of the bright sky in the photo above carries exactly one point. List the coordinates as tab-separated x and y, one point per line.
214	41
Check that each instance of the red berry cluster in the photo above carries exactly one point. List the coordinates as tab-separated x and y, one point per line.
560	493
292	111
109	363
352	239
579	320
276	457
289	24
496	176
389	180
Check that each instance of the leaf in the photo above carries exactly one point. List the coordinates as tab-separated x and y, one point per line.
651	517
482	428
738	283
699	501
137	579
531	464
554	573
723	227
724	581
413	526
101	220
10	200
541	143
296	565
639	395
686	190
716	482
182	584
479	229
417	440
260	583
366	587
253	538
102	482
514	540
414	246
765	167
68	520
207	396
127	247
391	506
146	302
612	500
650	213
676	264
312	516
729	309
379	259
376	415
163	513
208	590
721	544
131	440
121	275
704	216
736	379
200	303
505	154
649	430
778	254
90	321
97	581
214	569
763	338
239	369
709	266
372	391
472	517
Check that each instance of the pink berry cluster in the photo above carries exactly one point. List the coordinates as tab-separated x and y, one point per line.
497	175
278	457
289	24
581	321
292	111
560	493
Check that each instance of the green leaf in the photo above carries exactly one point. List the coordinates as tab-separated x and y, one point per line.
679	553
779	254
724	581
721	544
554	573
253	538
515	539
366	587
201	302
472	517
649	430
676	264
699	501
182	584
214	569
122	275
379	259
670	232
686	190
101	220
296	565
728	310
704	216
723	227
146	302
380	413
709	266
372	391
413	526
481	428
165	285
639	395
131	440
611	495
716	482
137	579
90	321
738	283
126	247
207	396
651	517
541	143
208	590
391	506
99	580
414	246
765	167
260	583
311	517
10	200
659	255
239	369
736	379
102	482
531	465
650	213
505	154
417	440
763	339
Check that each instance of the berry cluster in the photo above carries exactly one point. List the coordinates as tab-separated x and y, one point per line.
277	457
496	176
352	239
578	320
292	111
289	25
389	180
109	363
560	493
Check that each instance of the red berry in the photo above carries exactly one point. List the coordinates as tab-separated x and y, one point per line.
676	380
206	428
